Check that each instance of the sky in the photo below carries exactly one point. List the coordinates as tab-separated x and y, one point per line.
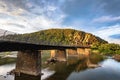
99	17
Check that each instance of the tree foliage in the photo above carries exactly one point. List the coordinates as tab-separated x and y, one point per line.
107	48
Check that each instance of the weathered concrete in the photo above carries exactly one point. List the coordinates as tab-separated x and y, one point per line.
59	54
87	51
71	52
80	51
84	51
29	62
53	52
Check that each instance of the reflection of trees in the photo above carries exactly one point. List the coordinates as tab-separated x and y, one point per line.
81	66
90	61
64	69
86	64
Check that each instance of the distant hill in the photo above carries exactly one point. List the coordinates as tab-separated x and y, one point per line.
58	37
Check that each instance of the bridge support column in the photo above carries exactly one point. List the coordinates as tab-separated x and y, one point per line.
53	52
29	62
87	51
81	51
59	54
71	52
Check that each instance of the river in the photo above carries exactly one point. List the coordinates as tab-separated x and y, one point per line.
109	70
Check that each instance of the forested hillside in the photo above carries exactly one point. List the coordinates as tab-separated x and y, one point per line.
58	37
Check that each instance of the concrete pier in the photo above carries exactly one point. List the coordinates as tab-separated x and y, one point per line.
29	62
87	51
59	54
81	51
71	52
84	51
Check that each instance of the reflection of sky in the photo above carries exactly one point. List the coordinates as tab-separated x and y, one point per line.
46	73
100	17
110	70
6	68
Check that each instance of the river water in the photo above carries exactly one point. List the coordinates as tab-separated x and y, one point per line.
71	70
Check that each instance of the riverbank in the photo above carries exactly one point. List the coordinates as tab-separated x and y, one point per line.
7	60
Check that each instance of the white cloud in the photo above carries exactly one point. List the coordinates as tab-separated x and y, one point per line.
31	23
106	19
105	33
22	21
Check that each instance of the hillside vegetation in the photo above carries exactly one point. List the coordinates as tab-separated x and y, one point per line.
58	37
107	49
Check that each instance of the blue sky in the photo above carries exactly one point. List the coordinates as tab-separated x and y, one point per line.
99	17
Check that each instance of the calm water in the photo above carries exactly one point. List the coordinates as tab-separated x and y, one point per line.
71	70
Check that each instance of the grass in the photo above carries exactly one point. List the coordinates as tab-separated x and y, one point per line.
7	60
45	55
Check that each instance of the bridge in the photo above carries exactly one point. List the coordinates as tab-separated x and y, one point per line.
29	54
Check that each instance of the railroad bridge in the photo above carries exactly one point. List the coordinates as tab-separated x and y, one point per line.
29	54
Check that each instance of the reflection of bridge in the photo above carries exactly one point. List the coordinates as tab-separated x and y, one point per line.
29	54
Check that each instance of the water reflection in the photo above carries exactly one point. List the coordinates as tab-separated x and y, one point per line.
3	71
79	70
6	68
108	71
64	69
73	69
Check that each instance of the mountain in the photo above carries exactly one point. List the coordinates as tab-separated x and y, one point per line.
5	32
58	37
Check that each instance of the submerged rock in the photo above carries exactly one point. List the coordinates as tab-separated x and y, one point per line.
51	60
12	72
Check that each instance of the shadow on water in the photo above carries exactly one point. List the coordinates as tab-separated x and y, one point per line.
27	77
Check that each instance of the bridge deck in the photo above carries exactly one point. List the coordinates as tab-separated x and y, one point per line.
16	46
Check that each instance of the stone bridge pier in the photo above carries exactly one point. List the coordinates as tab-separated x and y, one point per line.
84	51
29	62
87	51
72	52
59	54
